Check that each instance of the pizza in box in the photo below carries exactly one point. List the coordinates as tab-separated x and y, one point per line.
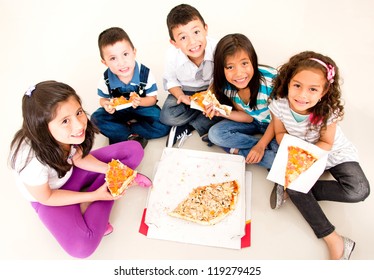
208	205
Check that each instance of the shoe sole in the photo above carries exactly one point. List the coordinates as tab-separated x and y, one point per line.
273	198
353	247
169	141
183	139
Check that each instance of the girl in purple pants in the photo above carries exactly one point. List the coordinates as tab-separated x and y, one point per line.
58	173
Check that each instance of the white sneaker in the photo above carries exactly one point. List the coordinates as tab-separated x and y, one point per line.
183	137
178	133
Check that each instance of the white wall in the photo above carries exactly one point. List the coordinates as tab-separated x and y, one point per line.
43	40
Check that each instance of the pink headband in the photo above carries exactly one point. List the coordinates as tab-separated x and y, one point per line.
330	69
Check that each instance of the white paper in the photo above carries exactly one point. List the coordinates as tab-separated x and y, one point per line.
123	106
194	105
178	172
307	179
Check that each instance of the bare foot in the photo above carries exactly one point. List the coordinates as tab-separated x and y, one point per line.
335	245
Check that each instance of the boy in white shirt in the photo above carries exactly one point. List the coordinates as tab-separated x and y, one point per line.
189	69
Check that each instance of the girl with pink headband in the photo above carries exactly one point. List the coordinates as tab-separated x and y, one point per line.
307	104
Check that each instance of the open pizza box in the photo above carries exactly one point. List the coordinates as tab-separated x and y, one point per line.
177	173
307	179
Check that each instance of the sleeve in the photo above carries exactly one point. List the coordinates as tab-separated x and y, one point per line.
269	75
151	87
34	174
274	108
170	79
102	88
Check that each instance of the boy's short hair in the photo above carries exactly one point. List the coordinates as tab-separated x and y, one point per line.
111	36
182	15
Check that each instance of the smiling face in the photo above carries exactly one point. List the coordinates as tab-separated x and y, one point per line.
305	90
120	58
238	69
191	40
70	123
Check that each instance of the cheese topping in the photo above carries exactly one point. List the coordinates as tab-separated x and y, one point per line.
116	174
209	202
299	161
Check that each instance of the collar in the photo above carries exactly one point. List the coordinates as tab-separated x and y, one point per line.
115	82
208	54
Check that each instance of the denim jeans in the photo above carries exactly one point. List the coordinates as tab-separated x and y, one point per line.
242	136
351	185
174	114
115	126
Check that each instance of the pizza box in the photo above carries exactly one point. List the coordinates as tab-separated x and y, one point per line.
307	179
177	173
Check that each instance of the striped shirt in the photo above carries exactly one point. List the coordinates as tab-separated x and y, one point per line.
341	151
261	113
114	82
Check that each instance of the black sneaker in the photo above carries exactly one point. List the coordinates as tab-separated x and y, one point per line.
205	138
138	138
178	133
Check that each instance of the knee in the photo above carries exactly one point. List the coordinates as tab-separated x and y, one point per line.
365	189
214	135
81	250
358	189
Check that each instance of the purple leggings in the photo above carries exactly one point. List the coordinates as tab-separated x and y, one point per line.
79	235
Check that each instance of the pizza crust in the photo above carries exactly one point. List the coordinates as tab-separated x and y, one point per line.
208	205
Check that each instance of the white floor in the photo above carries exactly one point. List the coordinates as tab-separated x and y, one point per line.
65	50
276	234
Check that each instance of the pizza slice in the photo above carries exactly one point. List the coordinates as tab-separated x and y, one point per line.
118	177
299	160
122	102
208	205
200	99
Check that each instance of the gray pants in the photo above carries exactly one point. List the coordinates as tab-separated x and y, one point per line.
174	114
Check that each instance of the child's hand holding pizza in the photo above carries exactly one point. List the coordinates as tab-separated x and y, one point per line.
184	99
107	105
135	99
210	111
103	193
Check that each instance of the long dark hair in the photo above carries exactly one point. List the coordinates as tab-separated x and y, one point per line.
38	109
228	46
330	104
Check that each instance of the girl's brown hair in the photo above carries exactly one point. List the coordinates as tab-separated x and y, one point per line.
228	46
38	109
330	104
